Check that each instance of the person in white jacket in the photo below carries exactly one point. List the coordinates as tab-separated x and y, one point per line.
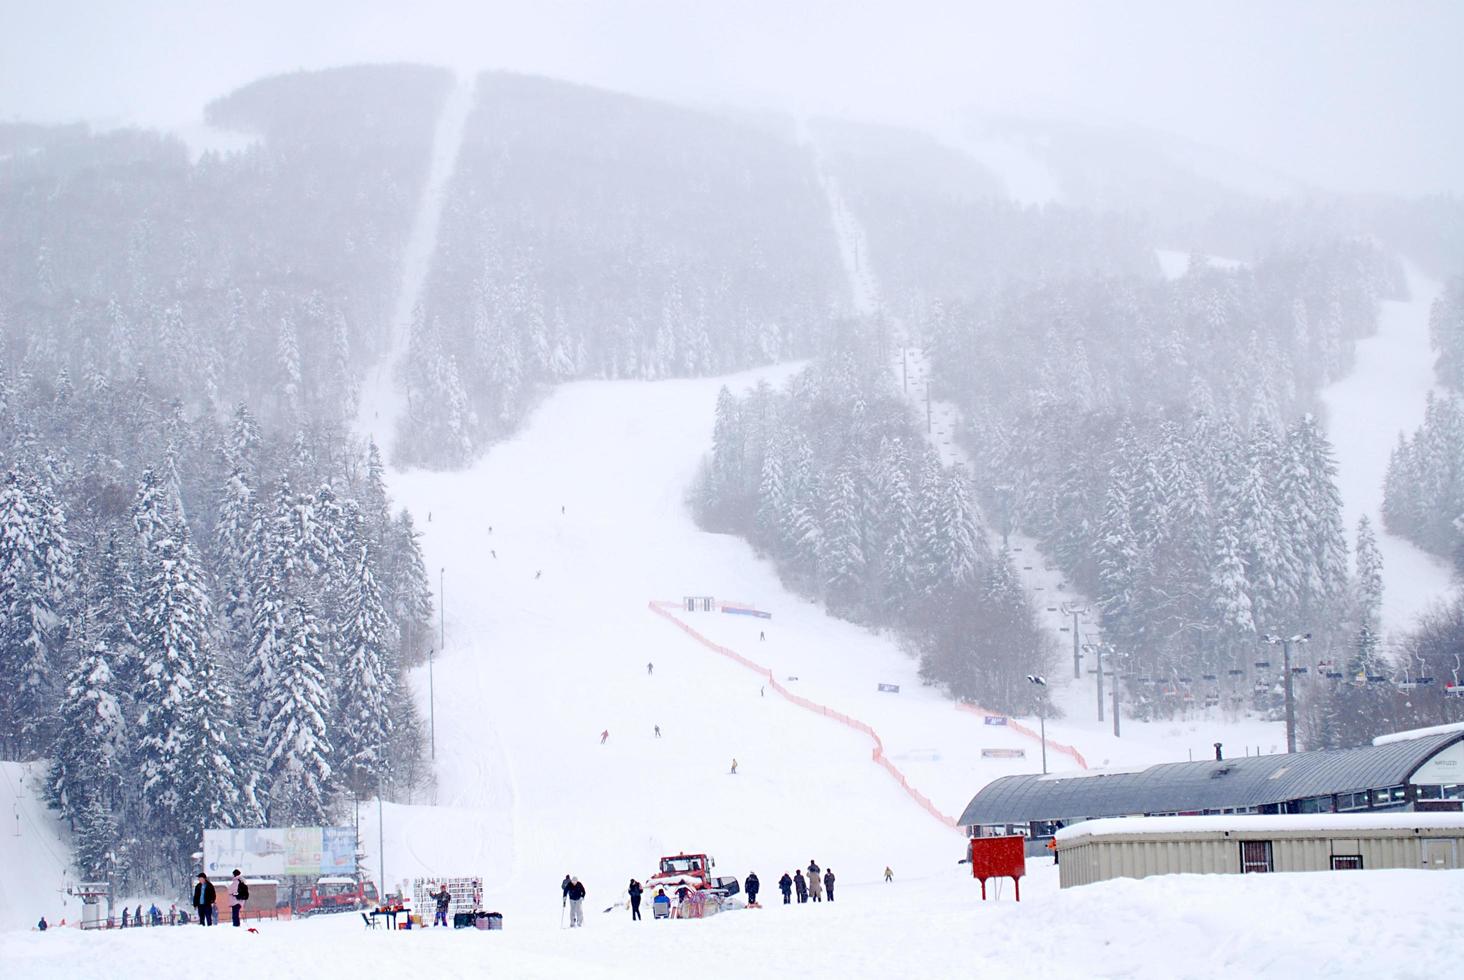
238	895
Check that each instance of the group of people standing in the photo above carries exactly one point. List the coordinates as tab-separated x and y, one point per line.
205	895
811	888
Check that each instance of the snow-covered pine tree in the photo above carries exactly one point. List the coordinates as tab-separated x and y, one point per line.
366	682
185	749
91	751
35	575
296	745
410	605
841	556
1369	562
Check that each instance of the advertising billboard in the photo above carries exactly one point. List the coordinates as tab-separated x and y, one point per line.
272	851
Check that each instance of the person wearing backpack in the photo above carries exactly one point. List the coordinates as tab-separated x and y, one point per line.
238	895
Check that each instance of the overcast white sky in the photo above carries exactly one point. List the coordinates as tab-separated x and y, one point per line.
1340	92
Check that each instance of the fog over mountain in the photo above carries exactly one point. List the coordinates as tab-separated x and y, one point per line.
1348	95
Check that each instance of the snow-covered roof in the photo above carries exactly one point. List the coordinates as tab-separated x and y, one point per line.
335	881
1184	787
1090	773
1331	823
1412	733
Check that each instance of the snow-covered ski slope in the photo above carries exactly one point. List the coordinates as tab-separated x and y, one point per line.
382	401
550	551
35	851
1382	397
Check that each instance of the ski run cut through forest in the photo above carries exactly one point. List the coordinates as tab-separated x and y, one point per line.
541	481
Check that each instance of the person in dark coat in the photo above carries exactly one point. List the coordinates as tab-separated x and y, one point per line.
751	885
42	924
203	900
785	885
564	887
829	883
126	917
635	897
801	886
443	898
576	903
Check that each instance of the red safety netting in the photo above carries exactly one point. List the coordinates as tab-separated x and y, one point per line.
663	609
1022	729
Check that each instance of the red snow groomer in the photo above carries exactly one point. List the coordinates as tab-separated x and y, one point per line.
705	893
335	894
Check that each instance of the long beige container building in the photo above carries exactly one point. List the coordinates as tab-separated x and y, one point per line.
1137	847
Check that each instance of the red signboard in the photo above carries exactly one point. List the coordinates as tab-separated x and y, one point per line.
999	857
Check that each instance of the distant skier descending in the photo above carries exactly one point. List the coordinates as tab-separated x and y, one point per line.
605	736
734	767
650	668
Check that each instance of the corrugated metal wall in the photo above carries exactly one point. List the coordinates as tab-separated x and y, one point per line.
1090	859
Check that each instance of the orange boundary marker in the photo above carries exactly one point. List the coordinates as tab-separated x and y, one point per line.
1022	729
662	609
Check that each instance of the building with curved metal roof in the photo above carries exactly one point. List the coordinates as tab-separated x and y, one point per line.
1426	772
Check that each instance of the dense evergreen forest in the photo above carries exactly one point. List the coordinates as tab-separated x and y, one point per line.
595	235
208	610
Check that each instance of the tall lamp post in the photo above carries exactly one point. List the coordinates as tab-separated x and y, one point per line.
1285	643
1041	681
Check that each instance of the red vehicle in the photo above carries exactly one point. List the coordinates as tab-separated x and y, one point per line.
693	871
336	895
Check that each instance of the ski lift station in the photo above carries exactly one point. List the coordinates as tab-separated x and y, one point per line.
1399	774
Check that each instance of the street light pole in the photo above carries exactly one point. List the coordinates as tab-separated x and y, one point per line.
1041	715
1286	642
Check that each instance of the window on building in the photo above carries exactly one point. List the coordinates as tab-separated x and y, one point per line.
1346	862
1352	801
1391	796
1314	804
1428	792
1255	856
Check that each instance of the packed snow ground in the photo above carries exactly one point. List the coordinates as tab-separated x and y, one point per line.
1283	926
1383	396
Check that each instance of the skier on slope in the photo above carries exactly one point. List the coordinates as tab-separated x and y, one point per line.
605	736
785	885
576	896
650	668
889	875
658	731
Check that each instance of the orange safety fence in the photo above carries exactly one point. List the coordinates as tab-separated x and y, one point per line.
1022	729
663	609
